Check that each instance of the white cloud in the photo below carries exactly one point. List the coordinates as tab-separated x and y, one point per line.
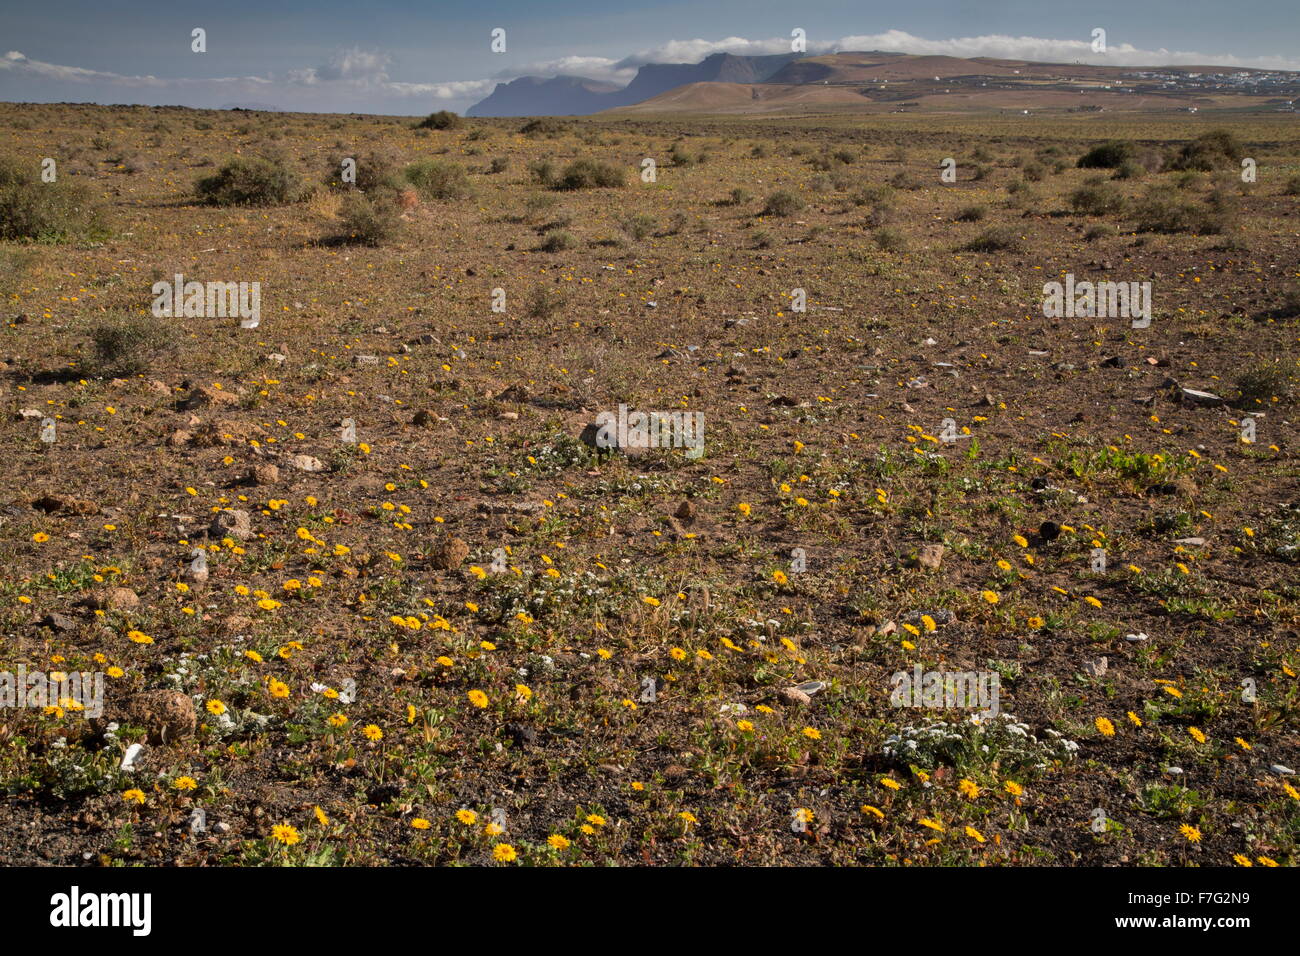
592	67
1054	51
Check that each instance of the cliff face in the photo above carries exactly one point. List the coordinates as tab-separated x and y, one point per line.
575	96
539	96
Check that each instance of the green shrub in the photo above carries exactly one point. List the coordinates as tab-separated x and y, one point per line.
374	171
1129	169
129	345
1292	187
782	203
546	126
589	174
369	220
639	226
1096	197
1268	380
1163	210
904	180
971	214
249	181
995	239
443	119
680	157
45	212
1209	151
890	240
1109	155
436	180
870	195
558	241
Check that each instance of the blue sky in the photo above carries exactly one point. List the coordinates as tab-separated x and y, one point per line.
399	56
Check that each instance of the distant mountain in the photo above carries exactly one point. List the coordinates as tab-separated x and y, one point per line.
540	96
875	81
575	96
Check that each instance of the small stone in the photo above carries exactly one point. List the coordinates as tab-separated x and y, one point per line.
179	438
1198	397
1136	638
231	523
1282	770
166	715
930	556
65	504
204	395
119	599
449	554
57	622
266	474
793	696
306	463
236	624
1096	667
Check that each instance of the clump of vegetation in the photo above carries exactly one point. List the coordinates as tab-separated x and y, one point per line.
680	157
544	303
589	174
1096	197
545	126
443	119
1109	155
1209	151
995	239
558	240
890	240
374	171
971	214
1268	380
1163	210
904	180
737	197
639	226
129	345
435	180
782	203
870	195
45	212
369	219
249	181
